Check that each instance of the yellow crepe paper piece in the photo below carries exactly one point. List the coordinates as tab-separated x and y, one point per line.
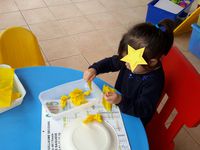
63	101
6	86
87	93
90	85
106	104
134	57
15	95
92	118
78	97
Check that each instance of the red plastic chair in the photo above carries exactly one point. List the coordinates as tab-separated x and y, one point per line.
182	86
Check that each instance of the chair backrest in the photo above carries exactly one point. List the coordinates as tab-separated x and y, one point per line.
19	48
182	86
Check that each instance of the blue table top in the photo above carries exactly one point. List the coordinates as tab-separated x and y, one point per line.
20	128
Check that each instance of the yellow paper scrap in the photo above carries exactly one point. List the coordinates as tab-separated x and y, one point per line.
90	85
92	118
15	95
6	86
134	57
105	103
63	101
77	97
87	93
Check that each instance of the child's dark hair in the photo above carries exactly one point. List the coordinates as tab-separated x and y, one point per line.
157	40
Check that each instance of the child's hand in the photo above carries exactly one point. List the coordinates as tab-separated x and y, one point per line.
89	74
113	97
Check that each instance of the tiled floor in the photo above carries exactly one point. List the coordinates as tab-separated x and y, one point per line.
76	33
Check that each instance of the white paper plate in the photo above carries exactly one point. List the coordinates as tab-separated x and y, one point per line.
92	136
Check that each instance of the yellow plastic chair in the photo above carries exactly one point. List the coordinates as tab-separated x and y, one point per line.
19	48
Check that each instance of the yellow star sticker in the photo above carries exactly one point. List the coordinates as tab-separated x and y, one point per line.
134	57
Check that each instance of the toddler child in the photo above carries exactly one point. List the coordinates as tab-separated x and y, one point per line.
141	88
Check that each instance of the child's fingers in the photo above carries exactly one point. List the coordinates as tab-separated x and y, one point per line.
106	97
91	78
109	96
112	97
87	76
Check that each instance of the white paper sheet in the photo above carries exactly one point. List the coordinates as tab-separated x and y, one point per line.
51	129
168	6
